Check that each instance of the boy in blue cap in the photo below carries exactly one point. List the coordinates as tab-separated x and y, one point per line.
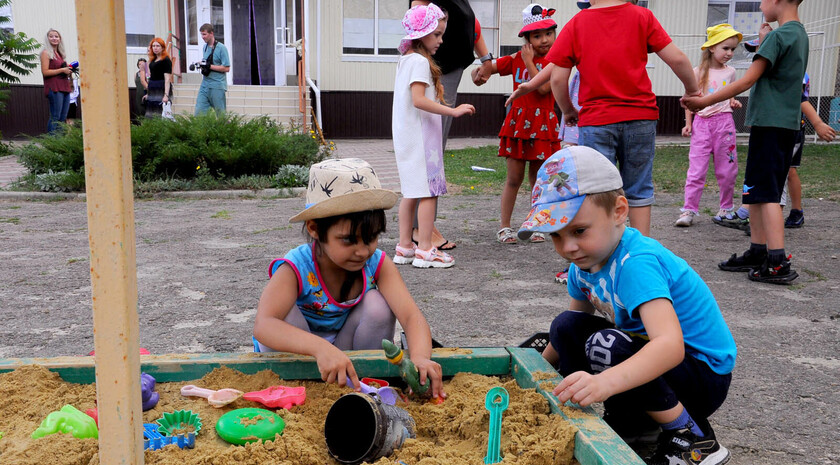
644	333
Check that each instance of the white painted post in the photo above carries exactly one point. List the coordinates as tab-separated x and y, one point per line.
110	208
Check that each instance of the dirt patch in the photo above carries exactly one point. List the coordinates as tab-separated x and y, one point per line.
452	433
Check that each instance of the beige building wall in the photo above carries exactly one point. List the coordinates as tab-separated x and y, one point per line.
685	20
35	17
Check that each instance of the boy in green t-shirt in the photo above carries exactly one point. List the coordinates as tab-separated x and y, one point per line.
773	114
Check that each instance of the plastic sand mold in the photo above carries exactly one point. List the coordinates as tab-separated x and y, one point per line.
278	396
179	422
386	393
245	425
68	420
153	440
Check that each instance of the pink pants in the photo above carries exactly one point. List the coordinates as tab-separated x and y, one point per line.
714	135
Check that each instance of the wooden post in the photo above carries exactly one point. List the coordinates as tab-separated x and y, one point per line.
110	208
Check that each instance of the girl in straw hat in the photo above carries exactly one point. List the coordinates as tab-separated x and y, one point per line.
339	292
417	131
712	131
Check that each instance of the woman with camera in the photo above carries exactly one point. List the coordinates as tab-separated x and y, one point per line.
57	83
159	89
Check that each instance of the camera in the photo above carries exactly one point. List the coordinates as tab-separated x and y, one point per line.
203	65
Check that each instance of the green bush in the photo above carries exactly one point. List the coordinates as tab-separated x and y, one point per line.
62	181
209	150
292	176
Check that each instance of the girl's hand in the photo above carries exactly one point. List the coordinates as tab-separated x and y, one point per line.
528	53
463	109
143	98
335	366
582	388
735	103
686	131
692	102
429	369
571	118
68	70
825	132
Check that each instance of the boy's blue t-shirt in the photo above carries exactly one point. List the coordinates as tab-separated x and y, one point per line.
640	270
772	104
323	313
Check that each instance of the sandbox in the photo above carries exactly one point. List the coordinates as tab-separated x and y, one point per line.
535	428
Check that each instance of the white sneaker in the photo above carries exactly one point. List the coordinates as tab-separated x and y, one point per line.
685	219
432	259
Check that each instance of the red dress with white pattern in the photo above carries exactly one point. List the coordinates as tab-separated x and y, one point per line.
531	128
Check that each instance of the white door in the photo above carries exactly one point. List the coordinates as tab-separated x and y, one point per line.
285	53
198	12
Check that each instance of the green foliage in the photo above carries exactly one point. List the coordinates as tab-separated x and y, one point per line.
292	176
207	152
62	181
18	53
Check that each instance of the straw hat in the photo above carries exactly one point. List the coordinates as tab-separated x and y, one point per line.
343	185
720	32
418	22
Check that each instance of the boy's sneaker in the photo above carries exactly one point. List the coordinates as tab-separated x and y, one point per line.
795	219
739	220
432	259
746	262
685	219
682	447
403	255
725	214
779	274
562	277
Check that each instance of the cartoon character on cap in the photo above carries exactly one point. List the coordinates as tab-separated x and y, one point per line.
418	22
586	171
536	17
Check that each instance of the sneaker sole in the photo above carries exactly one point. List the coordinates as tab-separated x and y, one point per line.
719	457
794	225
419	263
733	225
400	260
737	268
786	279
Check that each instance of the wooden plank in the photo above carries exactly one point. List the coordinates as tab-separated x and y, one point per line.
110	209
185	367
595	443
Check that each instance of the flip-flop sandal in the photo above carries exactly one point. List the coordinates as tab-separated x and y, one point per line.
537	238
446	245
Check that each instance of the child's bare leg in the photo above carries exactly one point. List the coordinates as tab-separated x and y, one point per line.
425	222
794	189
406	218
550	355
768	226
533	167
515	173
640	219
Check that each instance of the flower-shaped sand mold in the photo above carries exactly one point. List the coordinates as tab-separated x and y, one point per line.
179	422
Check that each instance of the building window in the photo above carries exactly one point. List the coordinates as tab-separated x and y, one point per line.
487	14
7	26
139	25
372	27
744	16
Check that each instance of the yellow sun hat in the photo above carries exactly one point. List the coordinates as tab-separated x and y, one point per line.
720	32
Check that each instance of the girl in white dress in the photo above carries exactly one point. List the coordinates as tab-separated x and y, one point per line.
417	134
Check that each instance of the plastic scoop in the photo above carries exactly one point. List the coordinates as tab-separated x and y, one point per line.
217	399
386	393
278	396
496	402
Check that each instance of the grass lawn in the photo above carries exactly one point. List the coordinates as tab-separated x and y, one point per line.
820	172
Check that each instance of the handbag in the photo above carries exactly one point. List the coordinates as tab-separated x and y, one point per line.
166	111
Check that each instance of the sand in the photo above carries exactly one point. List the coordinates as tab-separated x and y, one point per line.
452	433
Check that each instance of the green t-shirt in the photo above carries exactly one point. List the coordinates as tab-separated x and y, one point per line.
775	98
216	80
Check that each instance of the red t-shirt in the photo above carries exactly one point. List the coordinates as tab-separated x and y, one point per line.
515	66
610	48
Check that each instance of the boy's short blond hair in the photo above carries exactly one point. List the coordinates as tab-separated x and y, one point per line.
606	200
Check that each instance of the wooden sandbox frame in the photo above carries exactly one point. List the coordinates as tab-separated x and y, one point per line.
595	442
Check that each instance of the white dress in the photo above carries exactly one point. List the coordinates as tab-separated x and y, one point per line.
418	135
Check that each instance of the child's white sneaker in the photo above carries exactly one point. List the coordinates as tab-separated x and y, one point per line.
432	259
403	255
685	219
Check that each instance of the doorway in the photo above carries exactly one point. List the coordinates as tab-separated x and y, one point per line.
198	12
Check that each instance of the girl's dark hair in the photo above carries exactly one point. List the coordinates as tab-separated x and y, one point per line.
367	224
527	34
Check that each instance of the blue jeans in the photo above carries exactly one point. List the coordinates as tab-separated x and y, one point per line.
632	144
210	98
59	104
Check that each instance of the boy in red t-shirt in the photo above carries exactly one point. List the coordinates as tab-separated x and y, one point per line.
618	108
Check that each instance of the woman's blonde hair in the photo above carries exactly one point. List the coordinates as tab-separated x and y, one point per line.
163	53
50	49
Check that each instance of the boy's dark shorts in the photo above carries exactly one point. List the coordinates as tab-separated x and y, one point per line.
797	149
768	162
